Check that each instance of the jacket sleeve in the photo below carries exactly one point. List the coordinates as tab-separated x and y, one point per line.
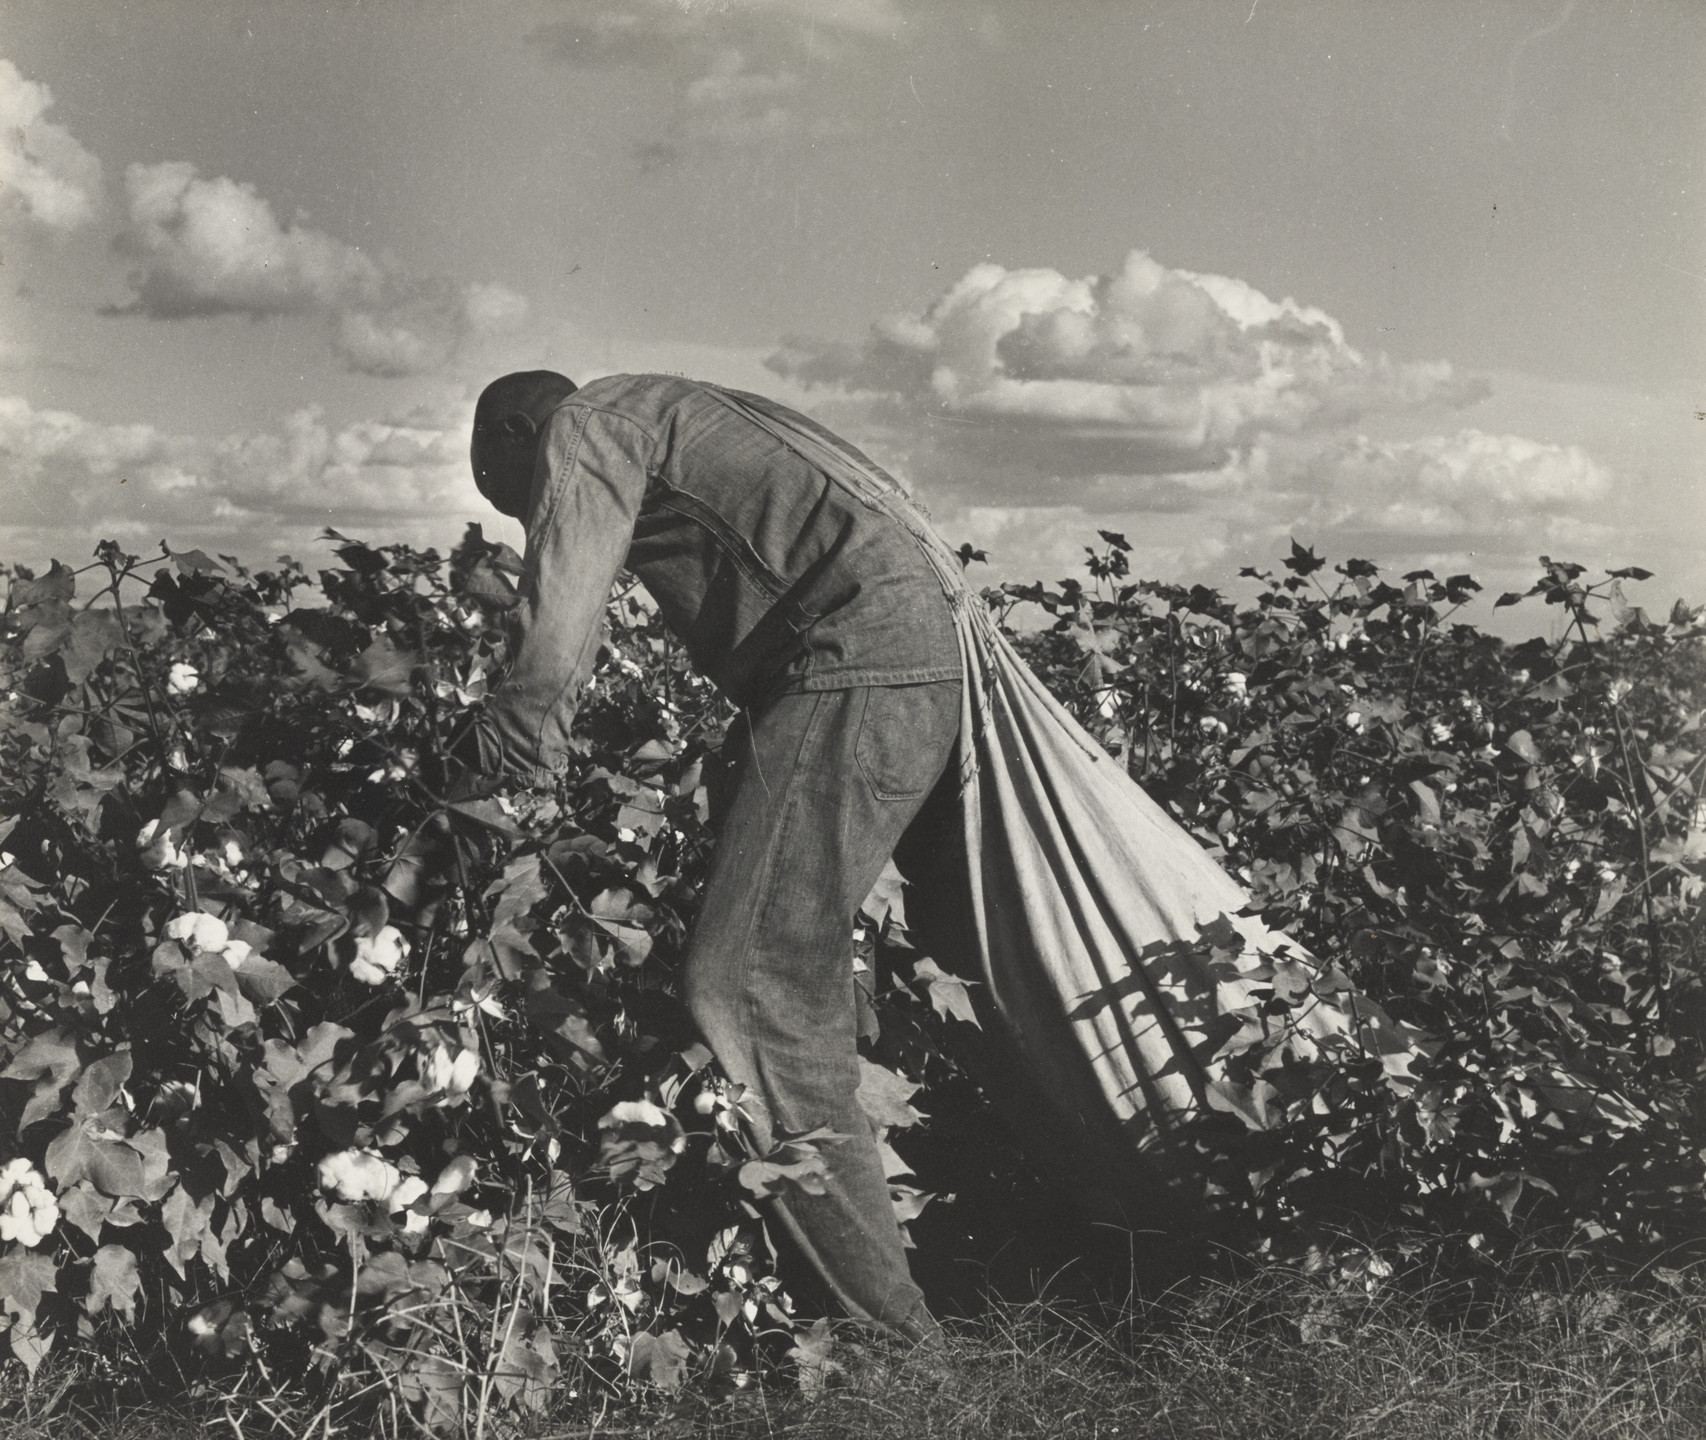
586	497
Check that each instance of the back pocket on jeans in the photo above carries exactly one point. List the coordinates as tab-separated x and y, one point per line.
904	736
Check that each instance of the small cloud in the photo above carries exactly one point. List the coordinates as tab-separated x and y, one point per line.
493	307
730	83
72	480
420	324
1474	470
214	247
46	178
632	32
737	67
371	344
661	32
1440	487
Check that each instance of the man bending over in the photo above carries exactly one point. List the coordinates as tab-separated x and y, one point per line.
821	617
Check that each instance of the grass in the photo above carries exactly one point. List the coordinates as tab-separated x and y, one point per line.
1275	1355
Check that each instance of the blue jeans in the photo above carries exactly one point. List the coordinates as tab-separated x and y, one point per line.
824	785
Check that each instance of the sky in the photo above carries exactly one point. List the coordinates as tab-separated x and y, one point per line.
1417	282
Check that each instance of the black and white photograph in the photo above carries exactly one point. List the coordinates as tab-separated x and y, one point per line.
852	719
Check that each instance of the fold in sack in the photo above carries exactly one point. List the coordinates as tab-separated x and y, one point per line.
1130	990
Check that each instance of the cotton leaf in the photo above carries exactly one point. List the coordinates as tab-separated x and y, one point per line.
812	1353
883	1095
950	996
661	1359
50	1060
885	904
24	1278
908	1203
114	1281
1521	744
263	980
87	1152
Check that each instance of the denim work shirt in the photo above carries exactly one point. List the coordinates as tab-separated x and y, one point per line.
775	578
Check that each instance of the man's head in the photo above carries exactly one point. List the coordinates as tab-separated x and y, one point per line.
508	421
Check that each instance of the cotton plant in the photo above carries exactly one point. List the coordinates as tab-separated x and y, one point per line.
540	990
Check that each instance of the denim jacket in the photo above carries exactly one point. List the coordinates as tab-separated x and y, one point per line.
775	578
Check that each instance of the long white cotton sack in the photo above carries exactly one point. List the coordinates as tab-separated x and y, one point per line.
1083	889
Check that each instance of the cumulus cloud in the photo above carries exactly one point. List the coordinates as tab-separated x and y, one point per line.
1466	489
1470	501
1472	469
736	66
72	481
1148	370
1202	418
47	179
214	247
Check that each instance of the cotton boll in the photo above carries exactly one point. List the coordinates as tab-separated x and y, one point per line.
198	932
182	679
356	1175
28	1210
634	1112
237	953
435	1069
17	1221
366	973
378	956
456	1177
156	850
407	1190
462	1073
